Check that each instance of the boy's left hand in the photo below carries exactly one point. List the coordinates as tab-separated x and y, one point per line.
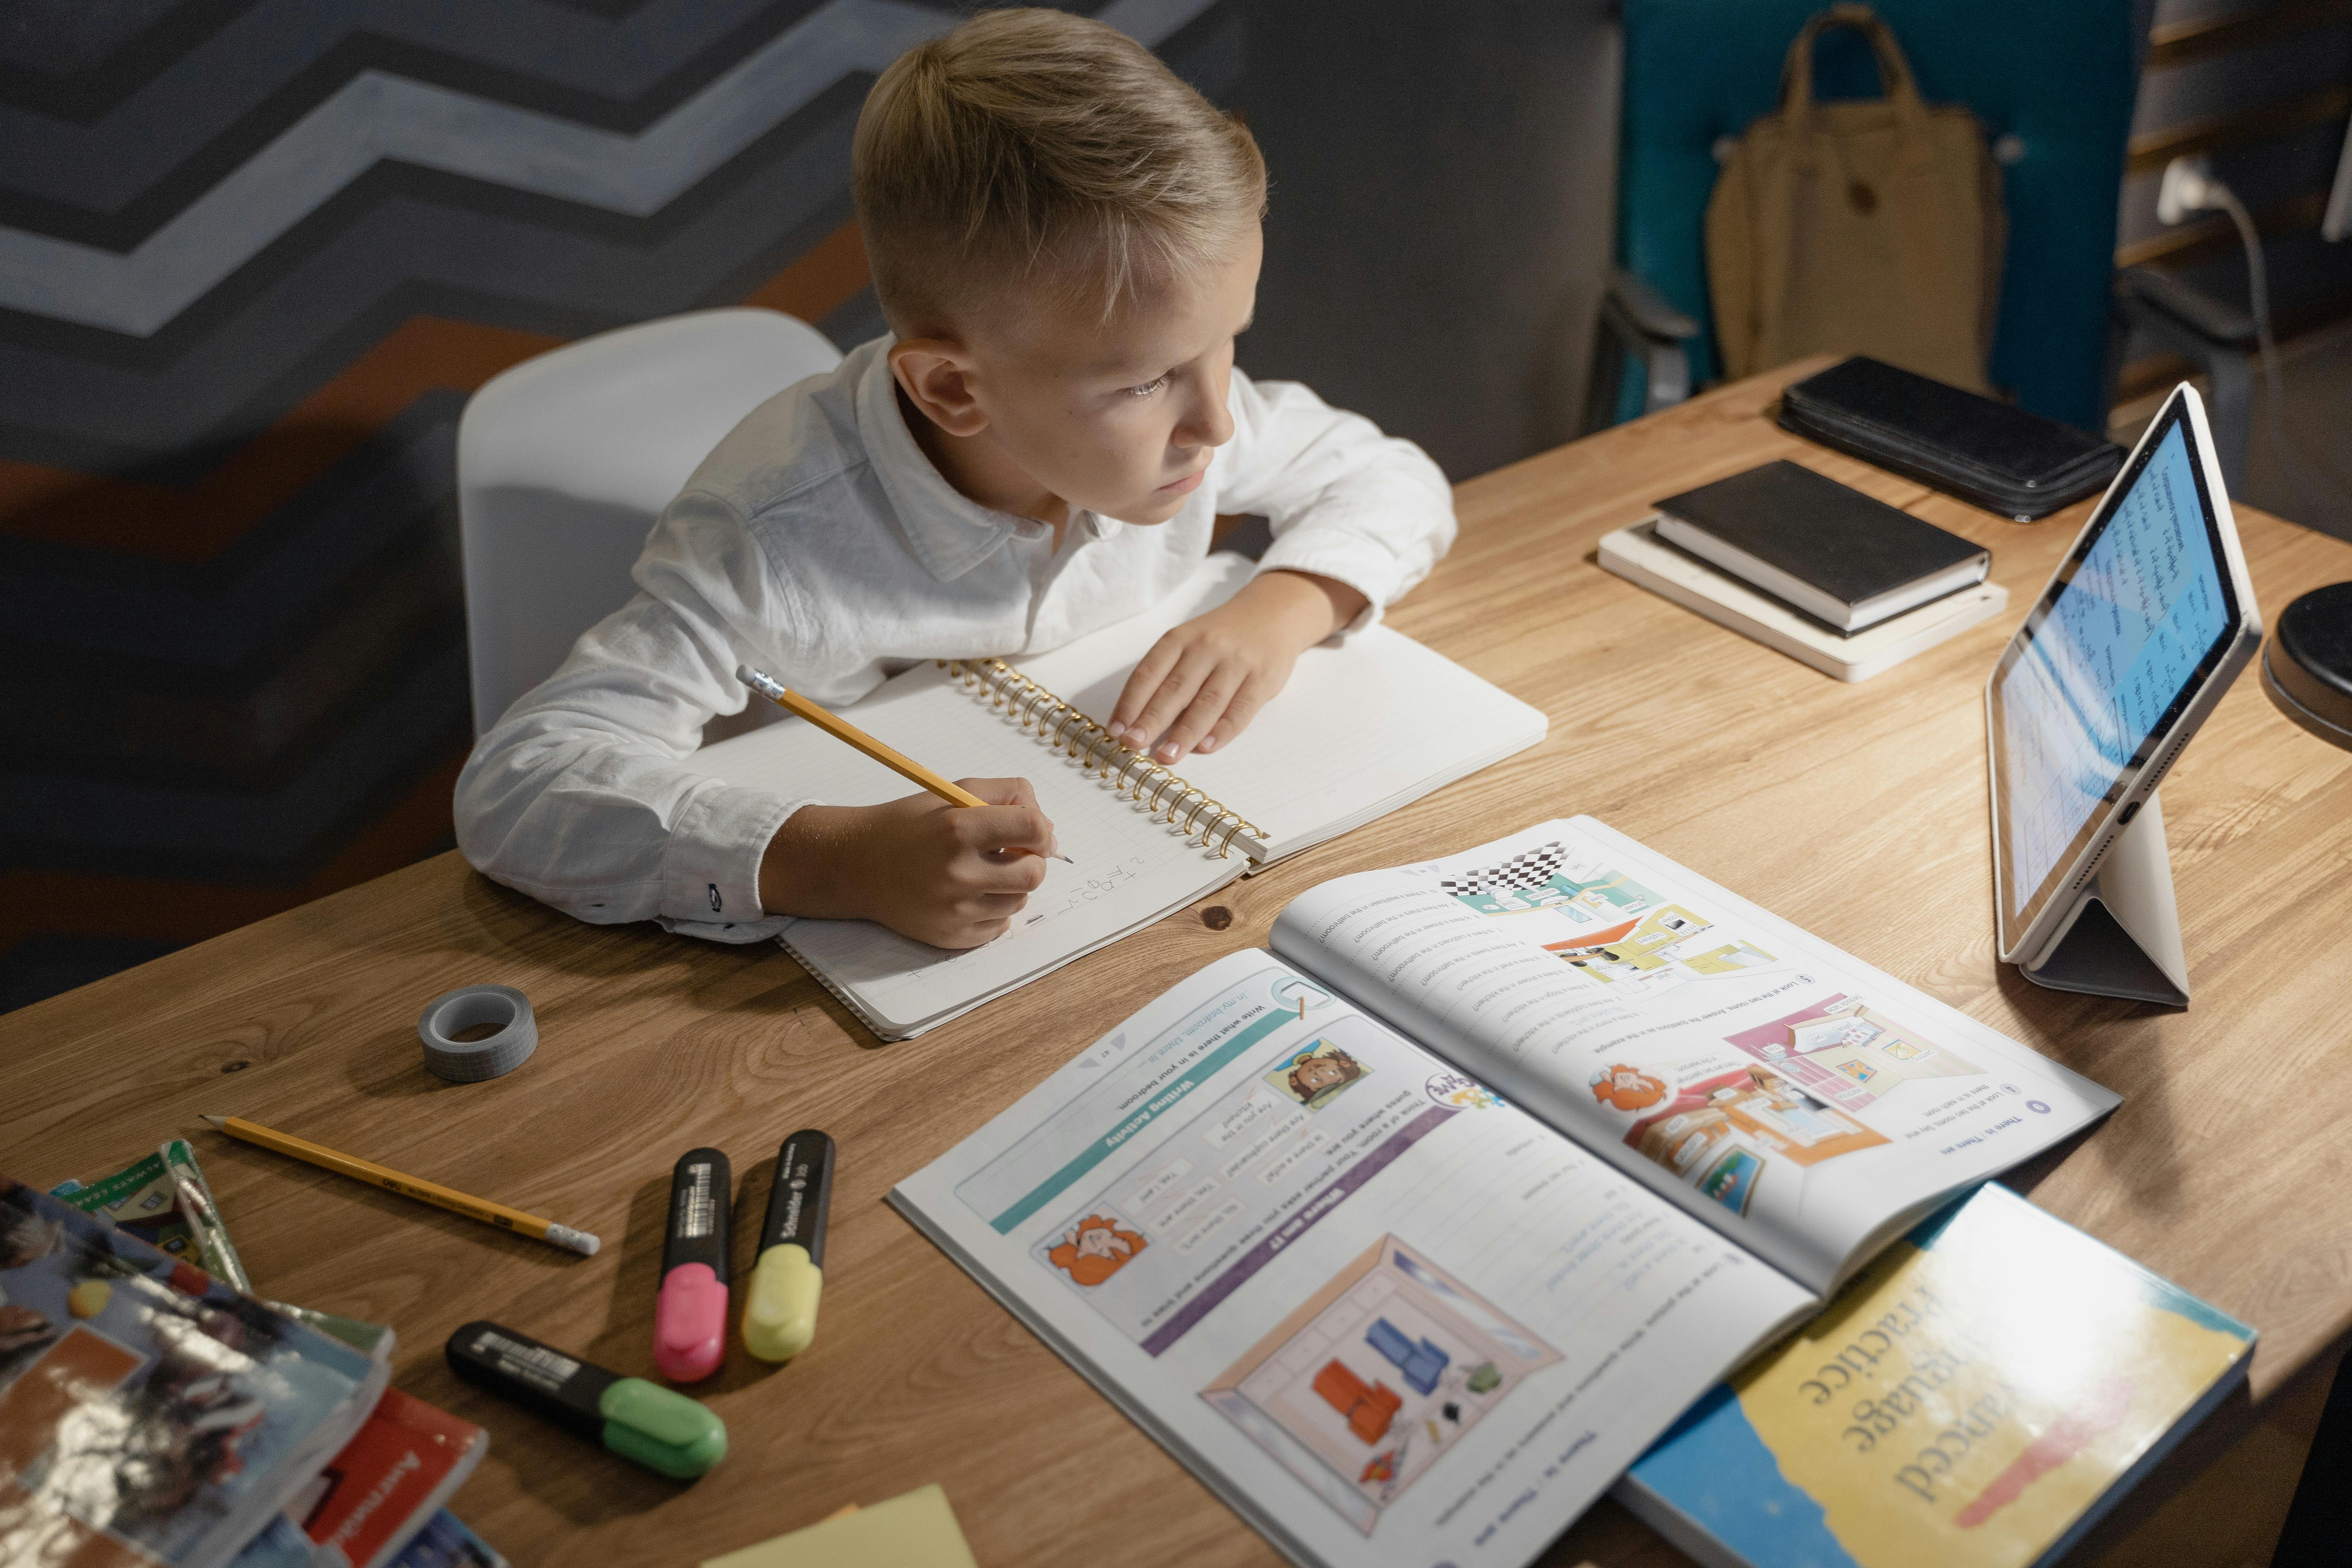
1202	682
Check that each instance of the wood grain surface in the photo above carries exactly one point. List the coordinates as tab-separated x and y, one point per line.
1856	811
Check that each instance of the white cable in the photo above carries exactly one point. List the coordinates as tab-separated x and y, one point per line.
2293	459
2189	185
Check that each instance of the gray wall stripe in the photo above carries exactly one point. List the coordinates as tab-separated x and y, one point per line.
379	116
168	426
102	167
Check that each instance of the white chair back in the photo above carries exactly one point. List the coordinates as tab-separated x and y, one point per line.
564	461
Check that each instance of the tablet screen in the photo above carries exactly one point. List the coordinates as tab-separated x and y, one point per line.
2116	649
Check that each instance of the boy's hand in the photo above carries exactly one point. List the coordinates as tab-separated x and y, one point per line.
950	876
1202	683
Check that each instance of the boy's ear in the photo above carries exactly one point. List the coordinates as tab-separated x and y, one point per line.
936	375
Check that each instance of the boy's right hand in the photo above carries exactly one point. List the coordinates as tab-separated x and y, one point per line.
951	876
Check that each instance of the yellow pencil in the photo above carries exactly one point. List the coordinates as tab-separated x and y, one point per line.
841	728
433	1192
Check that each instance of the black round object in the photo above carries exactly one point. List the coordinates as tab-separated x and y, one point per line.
2307	667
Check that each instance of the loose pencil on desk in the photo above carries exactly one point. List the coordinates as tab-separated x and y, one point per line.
841	728
433	1192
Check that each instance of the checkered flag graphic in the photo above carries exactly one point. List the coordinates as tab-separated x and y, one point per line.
1531	869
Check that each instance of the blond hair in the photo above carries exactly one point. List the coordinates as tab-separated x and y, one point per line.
1045	149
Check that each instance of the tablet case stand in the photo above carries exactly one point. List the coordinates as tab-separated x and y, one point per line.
2122	937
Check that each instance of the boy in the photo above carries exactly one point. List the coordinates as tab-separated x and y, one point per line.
1065	241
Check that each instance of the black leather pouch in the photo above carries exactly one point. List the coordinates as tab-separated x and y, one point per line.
1987	453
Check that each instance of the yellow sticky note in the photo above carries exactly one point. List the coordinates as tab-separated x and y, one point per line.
917	1531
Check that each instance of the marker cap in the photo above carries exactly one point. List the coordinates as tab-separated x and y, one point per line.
661	1428
690	1323
690	1312
780	1304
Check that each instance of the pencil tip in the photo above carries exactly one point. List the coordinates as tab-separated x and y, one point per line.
1065	860
215	1120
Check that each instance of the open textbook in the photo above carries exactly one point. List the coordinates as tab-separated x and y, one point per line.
1408	1236
1366	724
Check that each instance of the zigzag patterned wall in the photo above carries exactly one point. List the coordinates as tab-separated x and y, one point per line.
254	255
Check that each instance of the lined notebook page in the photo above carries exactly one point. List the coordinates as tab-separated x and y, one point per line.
1364	725
1129	869
1361	728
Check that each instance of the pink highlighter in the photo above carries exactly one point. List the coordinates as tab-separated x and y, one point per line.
690	1313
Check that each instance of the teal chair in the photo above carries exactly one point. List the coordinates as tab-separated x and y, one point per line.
2052	84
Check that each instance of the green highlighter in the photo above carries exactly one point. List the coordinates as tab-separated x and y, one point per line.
659	1427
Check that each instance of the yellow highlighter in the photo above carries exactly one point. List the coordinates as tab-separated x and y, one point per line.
780	1302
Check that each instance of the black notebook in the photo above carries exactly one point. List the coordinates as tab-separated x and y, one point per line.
1815	544
1987	453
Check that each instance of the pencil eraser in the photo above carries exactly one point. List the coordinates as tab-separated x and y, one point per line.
690	1323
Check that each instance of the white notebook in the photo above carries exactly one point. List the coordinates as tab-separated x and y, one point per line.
1639	556
1363	727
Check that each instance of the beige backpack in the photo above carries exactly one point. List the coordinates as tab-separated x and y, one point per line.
1873	227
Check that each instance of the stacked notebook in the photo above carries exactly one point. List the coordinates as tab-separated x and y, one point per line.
1834	579
1366	724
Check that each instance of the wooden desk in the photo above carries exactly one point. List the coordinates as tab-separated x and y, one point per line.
1856	811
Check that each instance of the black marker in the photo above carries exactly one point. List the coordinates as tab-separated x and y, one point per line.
690	1312
659	1427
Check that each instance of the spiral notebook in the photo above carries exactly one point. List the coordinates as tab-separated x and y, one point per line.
1365	726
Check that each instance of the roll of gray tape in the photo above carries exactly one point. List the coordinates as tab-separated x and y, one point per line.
471	1007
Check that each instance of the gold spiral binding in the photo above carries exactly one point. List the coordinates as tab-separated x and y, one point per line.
1128	773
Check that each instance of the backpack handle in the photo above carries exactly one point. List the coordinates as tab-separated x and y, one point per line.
1894	71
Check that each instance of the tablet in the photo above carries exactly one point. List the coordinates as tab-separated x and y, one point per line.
2141	630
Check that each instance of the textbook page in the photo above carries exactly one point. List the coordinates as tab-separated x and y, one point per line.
1387	1318
1805	1104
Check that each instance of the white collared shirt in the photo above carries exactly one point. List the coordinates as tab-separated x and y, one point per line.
819	544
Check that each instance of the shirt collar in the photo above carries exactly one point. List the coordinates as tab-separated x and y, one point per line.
950	532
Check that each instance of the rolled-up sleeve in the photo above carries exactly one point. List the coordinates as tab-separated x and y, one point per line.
1344	501
584	796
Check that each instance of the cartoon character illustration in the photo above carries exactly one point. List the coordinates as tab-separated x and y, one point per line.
1627	1088
1310	1075
1096	1248
1315	1074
